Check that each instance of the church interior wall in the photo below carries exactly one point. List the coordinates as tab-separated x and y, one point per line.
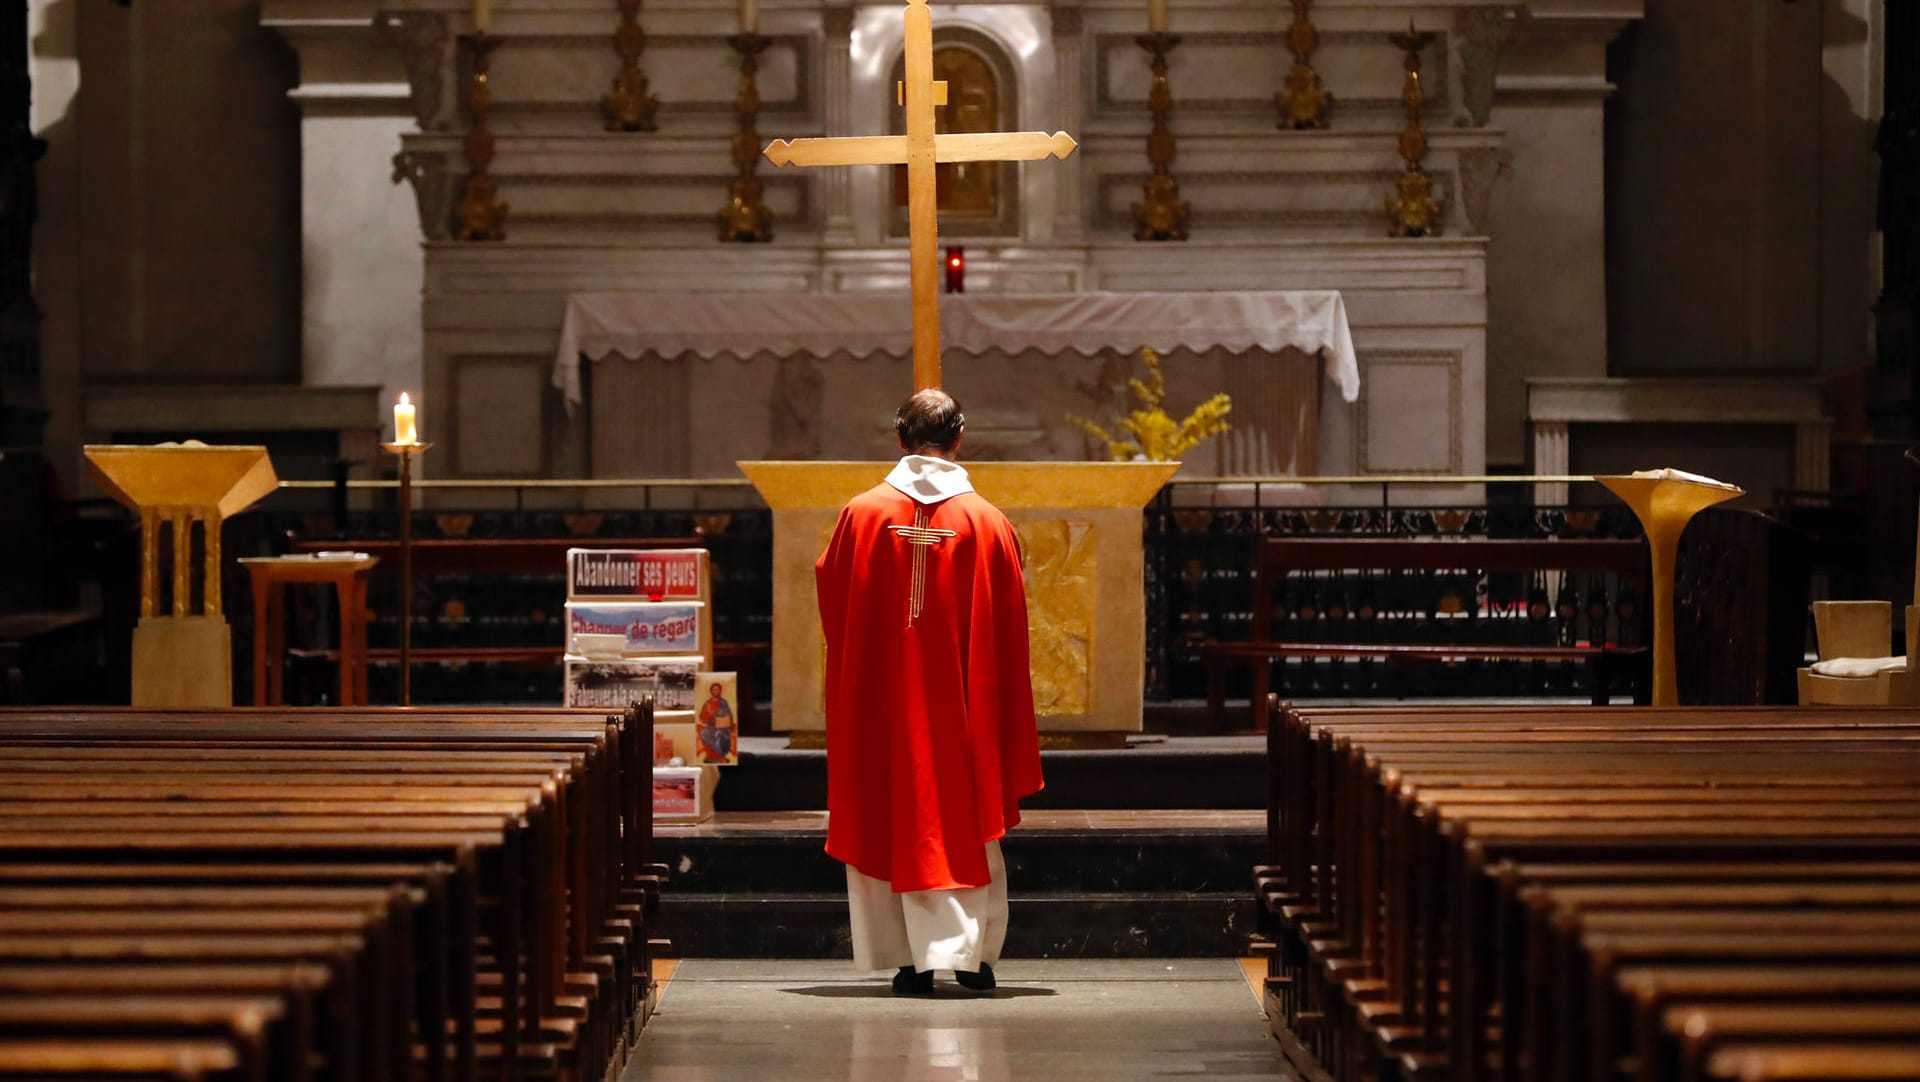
1719	223
190	193
1546	265
1739	191
361	320
173	253
54	66
1759	455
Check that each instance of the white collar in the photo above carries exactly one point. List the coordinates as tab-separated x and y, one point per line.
926	479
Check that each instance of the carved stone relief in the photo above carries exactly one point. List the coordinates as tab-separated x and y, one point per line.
426	47
1062	594
1482	33
1480	169
836	22
793	413
1067	22
436	188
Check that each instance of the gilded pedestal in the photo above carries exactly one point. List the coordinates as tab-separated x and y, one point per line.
1664	506
1080	534
182	659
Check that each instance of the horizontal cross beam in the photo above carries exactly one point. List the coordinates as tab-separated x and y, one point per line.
892	149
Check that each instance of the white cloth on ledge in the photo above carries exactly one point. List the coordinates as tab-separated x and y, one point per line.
1668	473
1858	667
928	929
709	325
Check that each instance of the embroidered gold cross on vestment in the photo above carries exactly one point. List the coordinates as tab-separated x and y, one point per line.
921	537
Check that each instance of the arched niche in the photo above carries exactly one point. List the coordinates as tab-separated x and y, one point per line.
977	199
1012	41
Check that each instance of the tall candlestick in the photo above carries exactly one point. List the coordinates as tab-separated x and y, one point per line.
404	429
749	16
1157	16
483	15
1161	214
630	107
745	216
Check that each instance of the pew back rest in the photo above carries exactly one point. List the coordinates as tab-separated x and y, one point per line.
1741	589
1280	556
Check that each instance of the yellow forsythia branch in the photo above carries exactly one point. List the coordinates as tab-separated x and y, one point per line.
1155	435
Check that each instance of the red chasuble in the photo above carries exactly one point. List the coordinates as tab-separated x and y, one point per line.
931	740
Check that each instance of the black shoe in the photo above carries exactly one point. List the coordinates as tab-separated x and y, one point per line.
978	982
907	982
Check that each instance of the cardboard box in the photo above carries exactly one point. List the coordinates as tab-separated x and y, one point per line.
610	684
683	793
673	740
637	574
650	627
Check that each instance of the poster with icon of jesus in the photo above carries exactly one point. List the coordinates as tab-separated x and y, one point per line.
716	729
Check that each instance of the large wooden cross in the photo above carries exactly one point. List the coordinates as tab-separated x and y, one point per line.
920	149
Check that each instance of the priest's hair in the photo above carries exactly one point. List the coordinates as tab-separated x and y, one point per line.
929	421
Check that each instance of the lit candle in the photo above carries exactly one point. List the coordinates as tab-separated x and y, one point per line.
1157	16
749	16
482	19
403	421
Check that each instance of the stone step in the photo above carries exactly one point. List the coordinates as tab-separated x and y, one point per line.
1172	924
1200	859
1227	772
1100	883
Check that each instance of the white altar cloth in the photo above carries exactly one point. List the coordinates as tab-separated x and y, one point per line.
708	325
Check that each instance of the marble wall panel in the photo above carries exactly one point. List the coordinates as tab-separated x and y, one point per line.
1412	416
1234	71
1546	297
636	206
496	416
361	308
691	74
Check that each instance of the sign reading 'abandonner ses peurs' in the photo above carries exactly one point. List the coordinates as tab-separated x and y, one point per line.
654	574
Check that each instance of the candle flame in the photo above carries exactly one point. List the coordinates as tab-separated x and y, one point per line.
404	400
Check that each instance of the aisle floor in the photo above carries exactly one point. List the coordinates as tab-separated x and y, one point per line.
1075	1020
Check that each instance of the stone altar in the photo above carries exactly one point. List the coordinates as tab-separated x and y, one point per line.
1080	536
722	376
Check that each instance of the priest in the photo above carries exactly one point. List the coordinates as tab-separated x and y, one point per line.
931	741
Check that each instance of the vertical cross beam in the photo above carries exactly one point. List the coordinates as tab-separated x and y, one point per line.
922	198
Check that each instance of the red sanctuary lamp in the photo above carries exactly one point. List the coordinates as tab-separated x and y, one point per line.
956	267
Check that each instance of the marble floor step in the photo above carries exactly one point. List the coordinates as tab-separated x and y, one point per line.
1063	1021
1187	850
1219	772
1164	924
1099	883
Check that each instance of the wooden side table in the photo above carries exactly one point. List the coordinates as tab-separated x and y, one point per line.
270	576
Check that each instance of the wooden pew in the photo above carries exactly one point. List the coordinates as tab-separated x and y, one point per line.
512	846
1486	893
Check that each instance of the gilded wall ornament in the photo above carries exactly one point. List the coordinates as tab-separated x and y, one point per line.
1305	101
629	107
1412	210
